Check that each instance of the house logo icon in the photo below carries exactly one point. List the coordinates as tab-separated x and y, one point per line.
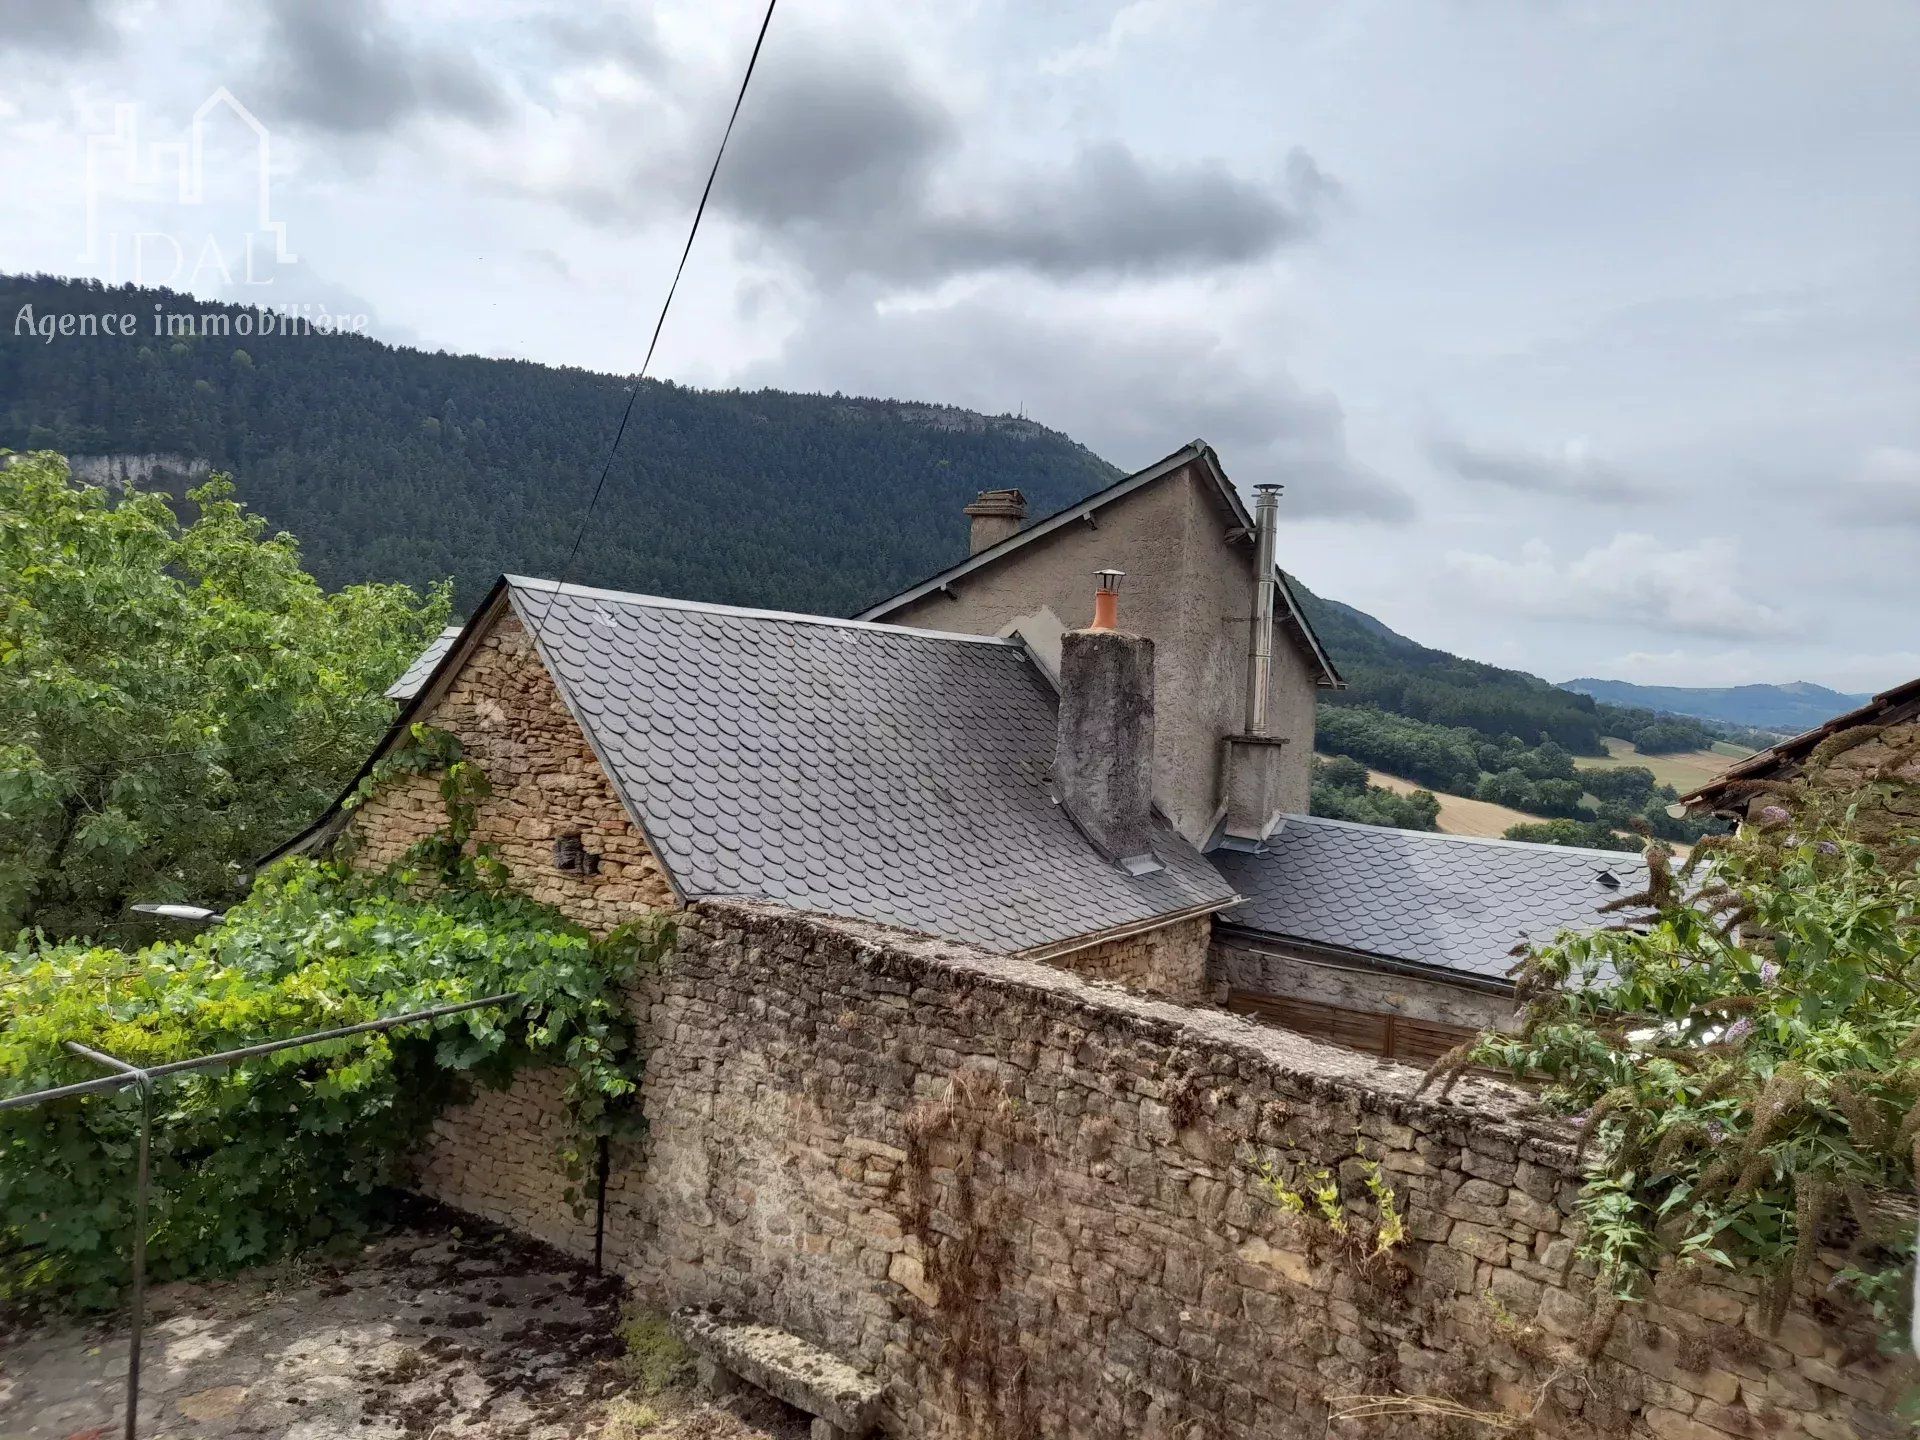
212	182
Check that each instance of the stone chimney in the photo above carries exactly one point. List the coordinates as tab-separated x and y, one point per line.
1103	749
996	514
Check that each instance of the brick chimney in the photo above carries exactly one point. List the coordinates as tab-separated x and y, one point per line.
1103	748
996	514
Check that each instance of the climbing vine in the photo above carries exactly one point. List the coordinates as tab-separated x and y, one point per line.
258	1160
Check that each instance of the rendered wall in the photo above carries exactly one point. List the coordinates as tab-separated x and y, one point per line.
1190	592
1036	1207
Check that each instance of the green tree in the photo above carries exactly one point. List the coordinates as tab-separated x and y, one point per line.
1510	788
1582	834
1341	792
175	696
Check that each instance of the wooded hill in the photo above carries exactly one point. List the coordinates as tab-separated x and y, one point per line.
398	464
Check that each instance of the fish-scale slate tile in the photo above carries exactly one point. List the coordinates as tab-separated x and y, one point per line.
415	675
869	771
1449	901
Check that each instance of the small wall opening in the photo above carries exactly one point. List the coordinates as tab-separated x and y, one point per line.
571	856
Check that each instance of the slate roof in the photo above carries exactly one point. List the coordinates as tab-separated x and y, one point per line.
1448	902
870	771
415	675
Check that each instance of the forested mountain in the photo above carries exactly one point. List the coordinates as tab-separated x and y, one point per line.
1385	670
1787	708
396	464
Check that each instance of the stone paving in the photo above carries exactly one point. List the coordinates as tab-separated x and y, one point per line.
454	1331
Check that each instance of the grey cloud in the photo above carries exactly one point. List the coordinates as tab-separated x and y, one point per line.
1884	492
1106	212
831	140
62	27
630	40
345	67
1571	474
843	164
1129	391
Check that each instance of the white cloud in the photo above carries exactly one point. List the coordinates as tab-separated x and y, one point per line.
1131	24
1633	579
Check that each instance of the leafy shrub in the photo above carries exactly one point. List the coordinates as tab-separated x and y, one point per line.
1745	1063
261	1159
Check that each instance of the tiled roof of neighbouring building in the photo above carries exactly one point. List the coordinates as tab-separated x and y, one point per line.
1449	902
415	675
871	771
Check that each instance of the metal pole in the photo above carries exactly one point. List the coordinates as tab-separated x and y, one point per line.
138	1320
125	1074
600	1208
137	1304
1266	515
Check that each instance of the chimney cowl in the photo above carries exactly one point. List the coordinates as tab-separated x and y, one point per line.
996	514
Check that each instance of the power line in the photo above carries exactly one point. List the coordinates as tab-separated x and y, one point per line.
667	304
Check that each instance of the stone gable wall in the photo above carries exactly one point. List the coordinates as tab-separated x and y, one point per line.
546	783
1038	1207
1170	962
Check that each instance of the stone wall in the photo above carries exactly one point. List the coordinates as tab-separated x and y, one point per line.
1170	962
546	782
1037	1207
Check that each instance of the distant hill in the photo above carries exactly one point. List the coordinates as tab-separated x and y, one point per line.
1787	708
1386	670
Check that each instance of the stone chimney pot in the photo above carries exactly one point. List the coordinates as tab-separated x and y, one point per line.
995	514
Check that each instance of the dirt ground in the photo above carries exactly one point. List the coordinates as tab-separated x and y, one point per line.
444	1329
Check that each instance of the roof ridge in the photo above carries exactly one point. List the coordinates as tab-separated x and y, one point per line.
1441	835
708	607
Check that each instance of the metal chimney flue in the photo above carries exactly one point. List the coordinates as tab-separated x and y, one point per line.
1266	520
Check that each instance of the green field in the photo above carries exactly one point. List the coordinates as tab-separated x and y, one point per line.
1686	770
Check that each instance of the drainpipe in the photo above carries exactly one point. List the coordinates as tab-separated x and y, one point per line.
1266	518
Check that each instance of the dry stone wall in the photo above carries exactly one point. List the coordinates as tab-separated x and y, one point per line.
1170	962
547	784
1031	1207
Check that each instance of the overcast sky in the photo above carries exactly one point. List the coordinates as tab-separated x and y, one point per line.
1585	337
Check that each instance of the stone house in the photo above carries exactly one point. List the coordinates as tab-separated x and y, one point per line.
889	1119
970	760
